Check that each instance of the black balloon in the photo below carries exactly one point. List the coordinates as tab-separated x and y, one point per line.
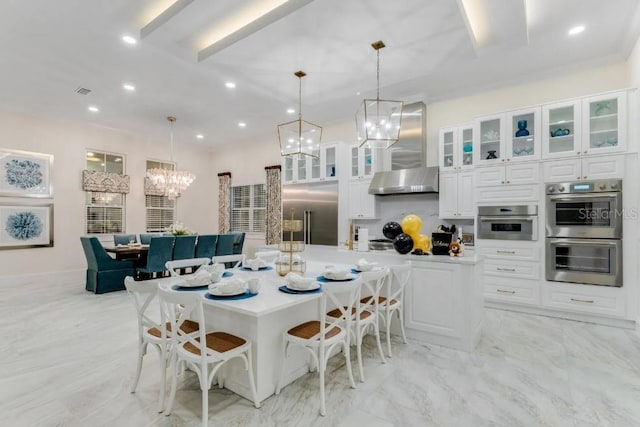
403	243
391	230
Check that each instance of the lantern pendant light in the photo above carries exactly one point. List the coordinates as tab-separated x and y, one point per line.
299	137
378	120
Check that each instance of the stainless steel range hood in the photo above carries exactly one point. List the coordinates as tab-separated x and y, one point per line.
403	181
408	173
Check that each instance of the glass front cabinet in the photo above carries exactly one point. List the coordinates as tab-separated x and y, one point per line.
604	124
361	162
456	147
562	124
489	148
309	169
522	141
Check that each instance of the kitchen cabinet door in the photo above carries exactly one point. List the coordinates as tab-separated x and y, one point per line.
490	176
448	149
562	170
362	162
604	123
527	173
329	162
603	167
362	205
448	195
562	129
466	196
489	138
523	135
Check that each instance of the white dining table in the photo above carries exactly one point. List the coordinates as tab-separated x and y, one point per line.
262	319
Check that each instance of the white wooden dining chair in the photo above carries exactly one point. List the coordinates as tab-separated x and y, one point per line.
203	352
365	315
236	259
391	299
320	337
143	294
175	265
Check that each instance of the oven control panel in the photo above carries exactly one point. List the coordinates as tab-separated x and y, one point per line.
605	185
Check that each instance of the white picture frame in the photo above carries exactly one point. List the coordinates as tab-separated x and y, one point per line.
25	174
26	226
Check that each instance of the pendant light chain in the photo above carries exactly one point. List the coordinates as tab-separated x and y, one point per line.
378	77
171	121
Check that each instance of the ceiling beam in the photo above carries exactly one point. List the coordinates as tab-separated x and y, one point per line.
177	7
252	27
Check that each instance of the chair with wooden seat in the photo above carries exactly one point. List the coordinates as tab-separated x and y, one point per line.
204	352
230	261
104	274
143	295
391	299
206	246
365	315
160	251
320	337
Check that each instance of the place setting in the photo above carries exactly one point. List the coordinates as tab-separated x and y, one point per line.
296	284
200	280
256	264
362	266
233	289
334	274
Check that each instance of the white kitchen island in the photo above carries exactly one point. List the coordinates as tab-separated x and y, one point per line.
444	302
444	306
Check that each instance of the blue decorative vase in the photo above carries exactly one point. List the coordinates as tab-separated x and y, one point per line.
522	128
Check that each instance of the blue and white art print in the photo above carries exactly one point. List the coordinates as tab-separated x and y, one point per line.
26	226
25	174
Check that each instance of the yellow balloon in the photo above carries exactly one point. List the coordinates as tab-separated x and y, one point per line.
411	225
422	242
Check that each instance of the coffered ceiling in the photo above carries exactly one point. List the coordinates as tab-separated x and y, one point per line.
188	49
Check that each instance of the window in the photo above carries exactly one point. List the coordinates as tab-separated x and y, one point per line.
248	208
105	211
160	210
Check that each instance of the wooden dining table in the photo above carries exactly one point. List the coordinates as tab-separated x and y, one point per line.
263	319
128	252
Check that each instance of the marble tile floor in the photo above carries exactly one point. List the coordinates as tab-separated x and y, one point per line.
68	357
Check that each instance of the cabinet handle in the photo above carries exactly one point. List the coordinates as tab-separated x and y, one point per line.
577	177
505	269
585	152
508	182
585	177
501	182
505	292
498	251
508	160
577	152
589	301
503	160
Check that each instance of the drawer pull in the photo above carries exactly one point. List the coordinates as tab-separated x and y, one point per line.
505	269
589	301
498	251
505	292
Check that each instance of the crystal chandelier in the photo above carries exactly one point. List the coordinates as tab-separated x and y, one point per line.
378	120
299	137
171	182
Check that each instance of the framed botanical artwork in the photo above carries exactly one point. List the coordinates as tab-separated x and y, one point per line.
26	226
25	174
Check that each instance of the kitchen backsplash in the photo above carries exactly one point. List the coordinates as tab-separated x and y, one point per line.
394	208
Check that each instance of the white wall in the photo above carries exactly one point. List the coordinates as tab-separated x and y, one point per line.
68	144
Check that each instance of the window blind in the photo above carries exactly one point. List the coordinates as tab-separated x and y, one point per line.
248	208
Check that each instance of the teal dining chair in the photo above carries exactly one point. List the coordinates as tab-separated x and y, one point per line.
124	239
238	242
184	247
104	274
160	251
225	244
145	238
206	246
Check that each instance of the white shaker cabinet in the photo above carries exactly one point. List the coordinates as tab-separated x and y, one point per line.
456	195
362	205
455	147
595	167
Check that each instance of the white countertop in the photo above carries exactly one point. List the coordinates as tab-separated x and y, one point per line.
390	255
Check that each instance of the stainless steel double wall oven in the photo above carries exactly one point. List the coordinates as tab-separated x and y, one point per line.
584	232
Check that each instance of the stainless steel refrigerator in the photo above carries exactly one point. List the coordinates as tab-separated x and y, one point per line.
317	206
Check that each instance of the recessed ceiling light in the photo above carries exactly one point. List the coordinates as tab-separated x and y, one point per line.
129	39
242	124
357	93
93	109
576	30
230	85
129	87
199	136
291	110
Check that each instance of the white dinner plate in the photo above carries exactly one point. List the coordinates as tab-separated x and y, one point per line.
313	287
341	278
185	284
217	293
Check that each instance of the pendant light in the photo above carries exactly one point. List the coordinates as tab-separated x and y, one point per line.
378	120
171	182
299	137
